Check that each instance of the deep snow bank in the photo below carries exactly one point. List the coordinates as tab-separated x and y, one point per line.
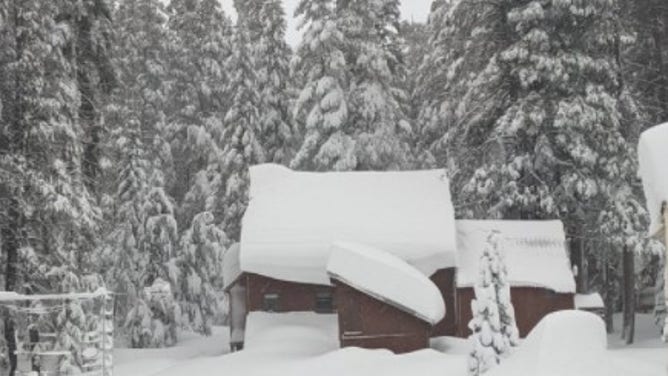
568	343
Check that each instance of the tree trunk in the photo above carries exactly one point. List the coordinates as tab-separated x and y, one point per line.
12	230
10	245
91	160
628	268
578	257
608	295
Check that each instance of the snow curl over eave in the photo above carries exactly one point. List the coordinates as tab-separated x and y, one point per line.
386	277
653	159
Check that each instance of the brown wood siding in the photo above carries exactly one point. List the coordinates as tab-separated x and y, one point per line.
445	281
531	305
370	323
292	297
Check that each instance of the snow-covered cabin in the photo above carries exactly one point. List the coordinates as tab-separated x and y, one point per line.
536	258
354	244
294	218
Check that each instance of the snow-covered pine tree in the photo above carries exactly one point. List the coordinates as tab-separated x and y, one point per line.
197	272
47	212
647	70
431	80
272	60
145	230
137	251
460	47
241	145
122	255
154	320
374	96
91	24
160	244
248	12
142	84
321	110
552	138
493	323
198	100
161	231
555	138
413	36
70	321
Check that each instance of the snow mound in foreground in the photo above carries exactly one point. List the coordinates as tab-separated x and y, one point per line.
568	343
653	154
387	278
564	343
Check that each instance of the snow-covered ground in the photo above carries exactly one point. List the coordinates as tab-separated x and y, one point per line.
306	344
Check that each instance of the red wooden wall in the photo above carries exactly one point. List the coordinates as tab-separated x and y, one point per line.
531	305
370	323
293	297
445	281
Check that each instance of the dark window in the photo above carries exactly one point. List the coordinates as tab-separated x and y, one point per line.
270	302
324	302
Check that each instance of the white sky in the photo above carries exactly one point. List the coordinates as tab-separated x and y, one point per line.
416	10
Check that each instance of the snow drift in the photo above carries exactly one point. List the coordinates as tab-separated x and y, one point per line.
564	343
387	278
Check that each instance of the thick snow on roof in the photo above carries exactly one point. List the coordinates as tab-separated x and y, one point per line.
388	278
534	251
293	218
653	158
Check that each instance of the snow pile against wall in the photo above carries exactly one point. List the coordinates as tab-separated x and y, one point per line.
293	218
305	332
534	251
653	156
387	278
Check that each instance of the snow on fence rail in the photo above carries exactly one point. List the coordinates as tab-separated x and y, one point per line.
62	334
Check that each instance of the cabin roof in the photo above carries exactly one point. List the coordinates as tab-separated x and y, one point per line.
293	218
387	278
535	253
652	155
